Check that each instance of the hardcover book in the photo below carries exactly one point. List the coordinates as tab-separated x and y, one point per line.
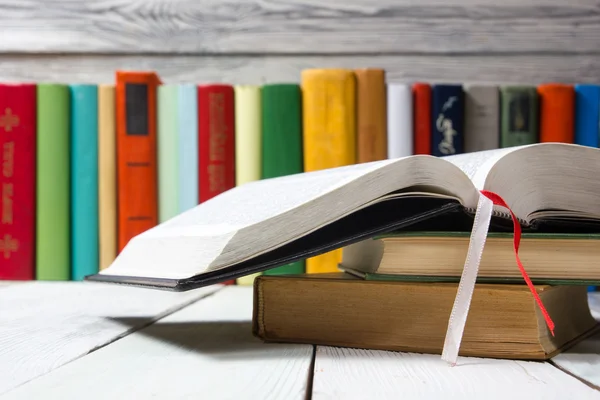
587	115
329	132
272	222
482	118
447	119
371	115
53	219
422	118
557	112
400	136
519	107
107	176
84	181
406	316
18	181
282	142
136	153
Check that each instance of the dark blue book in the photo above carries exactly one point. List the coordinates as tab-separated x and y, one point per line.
587	114
447	119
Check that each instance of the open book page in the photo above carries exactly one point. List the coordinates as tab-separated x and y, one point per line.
261	200
478	165
542	180
191	242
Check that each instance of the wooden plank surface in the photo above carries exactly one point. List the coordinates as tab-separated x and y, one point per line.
583	359
204	351
300	26
44	325
361	374
257	70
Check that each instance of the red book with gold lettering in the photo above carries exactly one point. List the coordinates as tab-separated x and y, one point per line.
17	138
422	118
137	193
216	141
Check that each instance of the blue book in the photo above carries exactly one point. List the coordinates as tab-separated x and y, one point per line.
84	180
188	146
447	119
587	114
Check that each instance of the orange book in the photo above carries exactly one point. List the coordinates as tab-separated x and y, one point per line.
371	116
422	118
557	112
329	133
137	195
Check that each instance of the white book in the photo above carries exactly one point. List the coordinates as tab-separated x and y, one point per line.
399	120
271	222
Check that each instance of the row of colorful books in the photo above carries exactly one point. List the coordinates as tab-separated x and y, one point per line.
88	167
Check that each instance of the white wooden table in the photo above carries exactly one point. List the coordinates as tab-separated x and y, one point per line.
96	341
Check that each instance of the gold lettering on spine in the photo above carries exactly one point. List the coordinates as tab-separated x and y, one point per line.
7	203
217	142
8	162
8	245
8	121
8	159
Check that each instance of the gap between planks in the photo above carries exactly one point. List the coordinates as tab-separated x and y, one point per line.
195	352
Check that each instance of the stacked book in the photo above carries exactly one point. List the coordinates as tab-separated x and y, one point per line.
405	229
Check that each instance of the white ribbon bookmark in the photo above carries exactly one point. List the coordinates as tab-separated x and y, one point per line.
462	302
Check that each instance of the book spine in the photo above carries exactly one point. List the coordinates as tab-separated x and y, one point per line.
107	176
84	181
18	141
519	115
587	114
216	141
281	106
482	118
422	118
371	115
136	153
329	133
447	120
188	146
557	112
168	148
247	143
53	259
400	137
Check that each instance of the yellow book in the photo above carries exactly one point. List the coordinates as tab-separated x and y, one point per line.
247	143
329	133
107	176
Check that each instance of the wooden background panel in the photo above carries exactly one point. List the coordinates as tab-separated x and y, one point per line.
258	70
300	26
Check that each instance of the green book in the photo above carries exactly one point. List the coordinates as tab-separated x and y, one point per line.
168	151
52	183
433	256
519	119
282	142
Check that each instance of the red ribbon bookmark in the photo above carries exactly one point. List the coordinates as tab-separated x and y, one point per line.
497	200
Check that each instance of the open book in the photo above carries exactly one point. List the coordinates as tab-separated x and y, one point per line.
551	187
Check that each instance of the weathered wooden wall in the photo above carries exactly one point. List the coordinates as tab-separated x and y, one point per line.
255	41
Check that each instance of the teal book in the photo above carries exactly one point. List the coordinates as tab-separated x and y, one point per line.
188	146
52	246
84	181
282	143
168	152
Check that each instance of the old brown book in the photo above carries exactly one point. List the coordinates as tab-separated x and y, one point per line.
371	115
340	310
